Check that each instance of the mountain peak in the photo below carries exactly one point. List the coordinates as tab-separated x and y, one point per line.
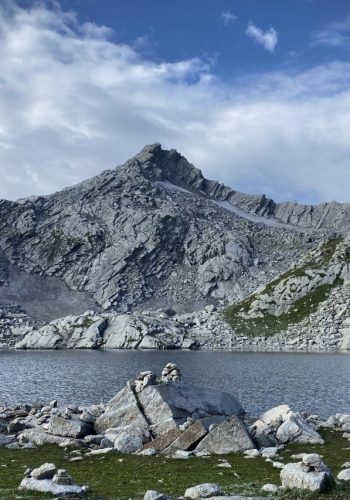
158	164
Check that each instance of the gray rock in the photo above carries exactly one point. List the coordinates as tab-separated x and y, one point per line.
298	476
270	488
62	478
165	405
344	475
229	437
155	495
45	471
127	442
123	410
187	438
68	427
204	490
48	486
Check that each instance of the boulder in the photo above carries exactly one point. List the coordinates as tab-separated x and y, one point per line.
128	442
48	486
188	438
270	488
204	490
310	474
68	427
161	442
39	437
124	331
168	405
344	475
123	410
282	425
230	436
155	495
90	338
63	478
45	471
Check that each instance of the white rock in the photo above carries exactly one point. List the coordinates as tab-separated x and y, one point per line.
294	476
270	488
204	490
155	495
47	486
45	471
344	475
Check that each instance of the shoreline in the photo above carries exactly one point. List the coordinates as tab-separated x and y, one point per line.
168	429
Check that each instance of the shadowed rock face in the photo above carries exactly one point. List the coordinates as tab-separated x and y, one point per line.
151	232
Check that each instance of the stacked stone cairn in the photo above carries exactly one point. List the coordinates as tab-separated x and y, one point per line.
48	479
171	373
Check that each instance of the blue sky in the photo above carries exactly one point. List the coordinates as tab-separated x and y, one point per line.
254	92
177	30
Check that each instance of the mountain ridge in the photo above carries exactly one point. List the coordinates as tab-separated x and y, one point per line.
127	238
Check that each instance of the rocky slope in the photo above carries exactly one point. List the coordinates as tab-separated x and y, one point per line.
305	308
156	239
151	233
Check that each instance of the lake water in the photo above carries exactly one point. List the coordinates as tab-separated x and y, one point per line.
314	382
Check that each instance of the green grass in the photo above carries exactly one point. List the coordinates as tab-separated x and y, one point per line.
271	325
116	476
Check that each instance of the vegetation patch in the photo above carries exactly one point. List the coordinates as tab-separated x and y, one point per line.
116	476
269	324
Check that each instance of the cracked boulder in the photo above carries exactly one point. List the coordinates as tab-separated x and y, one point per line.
230	436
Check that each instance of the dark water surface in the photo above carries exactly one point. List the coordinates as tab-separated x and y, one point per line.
315	382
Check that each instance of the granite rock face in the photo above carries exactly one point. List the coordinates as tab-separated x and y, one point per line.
153	231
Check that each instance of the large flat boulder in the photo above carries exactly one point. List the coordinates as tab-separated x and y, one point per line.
167	405
38	437
314	477
68	427
230	436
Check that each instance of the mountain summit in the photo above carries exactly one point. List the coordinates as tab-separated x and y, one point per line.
152	232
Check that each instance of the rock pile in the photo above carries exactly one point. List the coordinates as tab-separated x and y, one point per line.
48	479
170	373
281	425
14	324
324	330
166	415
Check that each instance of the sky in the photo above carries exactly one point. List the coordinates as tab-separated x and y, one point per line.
254	93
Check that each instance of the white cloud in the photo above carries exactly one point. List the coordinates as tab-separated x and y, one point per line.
73	102
335	35
268	39
228	17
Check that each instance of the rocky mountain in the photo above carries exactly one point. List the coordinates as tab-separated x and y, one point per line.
151	233
154	234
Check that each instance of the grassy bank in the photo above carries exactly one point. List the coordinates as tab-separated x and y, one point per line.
269	324
116	476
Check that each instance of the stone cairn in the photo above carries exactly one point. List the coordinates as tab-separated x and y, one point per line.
170	373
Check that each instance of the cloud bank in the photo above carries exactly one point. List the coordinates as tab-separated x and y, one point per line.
73	102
